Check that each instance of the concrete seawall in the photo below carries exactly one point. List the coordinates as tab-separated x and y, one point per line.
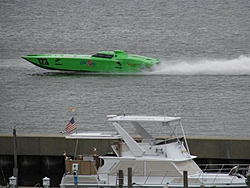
42	155
55	145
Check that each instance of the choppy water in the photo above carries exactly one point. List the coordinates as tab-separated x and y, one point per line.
204	76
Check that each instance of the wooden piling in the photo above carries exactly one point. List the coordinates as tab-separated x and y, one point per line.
120	175
248	179
185	179
129	177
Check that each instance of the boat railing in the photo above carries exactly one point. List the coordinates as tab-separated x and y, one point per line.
176	177
239	170
231	169
161	176
152	174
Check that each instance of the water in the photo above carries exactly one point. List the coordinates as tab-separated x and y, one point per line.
204	76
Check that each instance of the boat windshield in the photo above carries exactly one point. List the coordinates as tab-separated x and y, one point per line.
109	56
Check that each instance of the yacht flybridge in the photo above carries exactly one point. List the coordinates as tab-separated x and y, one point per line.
154	163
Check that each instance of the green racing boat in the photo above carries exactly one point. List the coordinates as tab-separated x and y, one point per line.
116	61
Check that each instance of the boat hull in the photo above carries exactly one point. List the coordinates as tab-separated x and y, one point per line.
88	63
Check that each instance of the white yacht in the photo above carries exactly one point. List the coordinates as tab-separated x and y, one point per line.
154	163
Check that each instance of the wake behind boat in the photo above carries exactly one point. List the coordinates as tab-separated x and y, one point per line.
154	163
116	61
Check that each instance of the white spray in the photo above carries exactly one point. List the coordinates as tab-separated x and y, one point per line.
239	66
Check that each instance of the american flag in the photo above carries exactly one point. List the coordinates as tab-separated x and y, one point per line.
70	126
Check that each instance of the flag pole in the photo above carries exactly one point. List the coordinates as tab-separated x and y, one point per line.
76	146
15	169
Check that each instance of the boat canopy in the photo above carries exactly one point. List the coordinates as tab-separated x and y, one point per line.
94	135
103	55
143	118
110	54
